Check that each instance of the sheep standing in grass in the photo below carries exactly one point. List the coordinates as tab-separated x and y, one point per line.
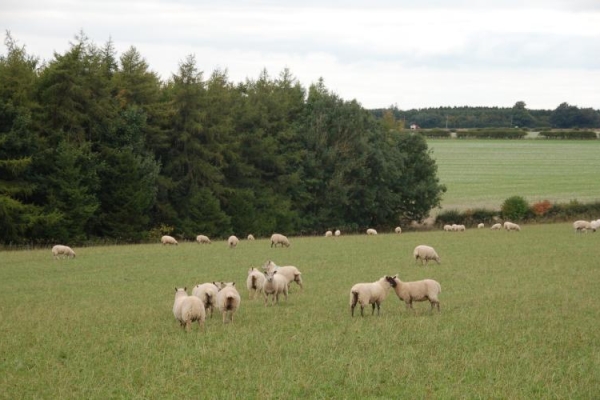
509	226
447	228
583	226
595	225
232	241
371	231
496	227
291	273
203	239
480	226
337	232
370	293
398	230
461	228
254	282
328	234
425	253
168	240
278	238
228	300
61	250
275	284
188	309
427	289
207	292
250	237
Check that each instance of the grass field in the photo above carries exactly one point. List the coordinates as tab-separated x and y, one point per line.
519	320
483	173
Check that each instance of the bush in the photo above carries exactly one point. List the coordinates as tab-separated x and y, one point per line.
541	208
507	133
515	208
583	135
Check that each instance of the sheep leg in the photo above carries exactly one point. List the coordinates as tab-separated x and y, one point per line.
201	325
362	310
188	325
378	307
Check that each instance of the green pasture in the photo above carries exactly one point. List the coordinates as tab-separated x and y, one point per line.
519	320
483	173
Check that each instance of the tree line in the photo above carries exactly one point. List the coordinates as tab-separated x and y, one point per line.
96	146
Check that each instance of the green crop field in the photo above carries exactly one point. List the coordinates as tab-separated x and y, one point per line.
519	320
483	173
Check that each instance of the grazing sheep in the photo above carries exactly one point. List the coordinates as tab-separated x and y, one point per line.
232	241
328	234
254	282
448	228
461	228
427	289
60	249
509	226
207	292
291	273
278	238
370	293
168	240
583	226
425	253
188	309
480	226
398	230
203	239
595	225
228	300
496	227
337	232
371	231
275	284
250	237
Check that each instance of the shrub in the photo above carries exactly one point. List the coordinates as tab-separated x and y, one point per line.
157	232
541	208
449	217
515	208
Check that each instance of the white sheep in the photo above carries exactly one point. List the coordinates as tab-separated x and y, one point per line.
371	231
275	284
232	241
207	292
509	226
168	240
202	239
496	227
425	253
370	293
291	273
583	226
228	300
454	227
426	289
461	228
188	309
337	232
328	234
480	226
250	237
278	238
448	228
60	249
254	282
595	225
398	230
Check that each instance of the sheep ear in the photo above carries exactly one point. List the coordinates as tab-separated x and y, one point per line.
185	288
175	289
274	272
232	283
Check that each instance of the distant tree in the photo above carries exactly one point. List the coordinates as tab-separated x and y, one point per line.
520	116
568	116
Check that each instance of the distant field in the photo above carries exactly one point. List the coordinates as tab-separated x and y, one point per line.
483	173
519	320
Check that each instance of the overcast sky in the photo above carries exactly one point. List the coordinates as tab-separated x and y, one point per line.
412	54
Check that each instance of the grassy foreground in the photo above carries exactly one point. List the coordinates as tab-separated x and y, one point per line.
483	173
519	320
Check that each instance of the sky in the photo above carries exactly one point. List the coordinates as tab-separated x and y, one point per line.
403	53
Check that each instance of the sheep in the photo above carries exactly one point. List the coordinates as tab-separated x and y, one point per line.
207	292
370	293
425	253
398	230
188	309
509	226
278	238
584	226
595	225
232	241
496	227
254	282
275	284
202	239
426	289
250	237
291	273
480	226
328	234
461	228
454	227
168	240
337	232
371	231
228	300
448	228
60	249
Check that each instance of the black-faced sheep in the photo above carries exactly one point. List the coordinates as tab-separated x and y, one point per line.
426	289
370	293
